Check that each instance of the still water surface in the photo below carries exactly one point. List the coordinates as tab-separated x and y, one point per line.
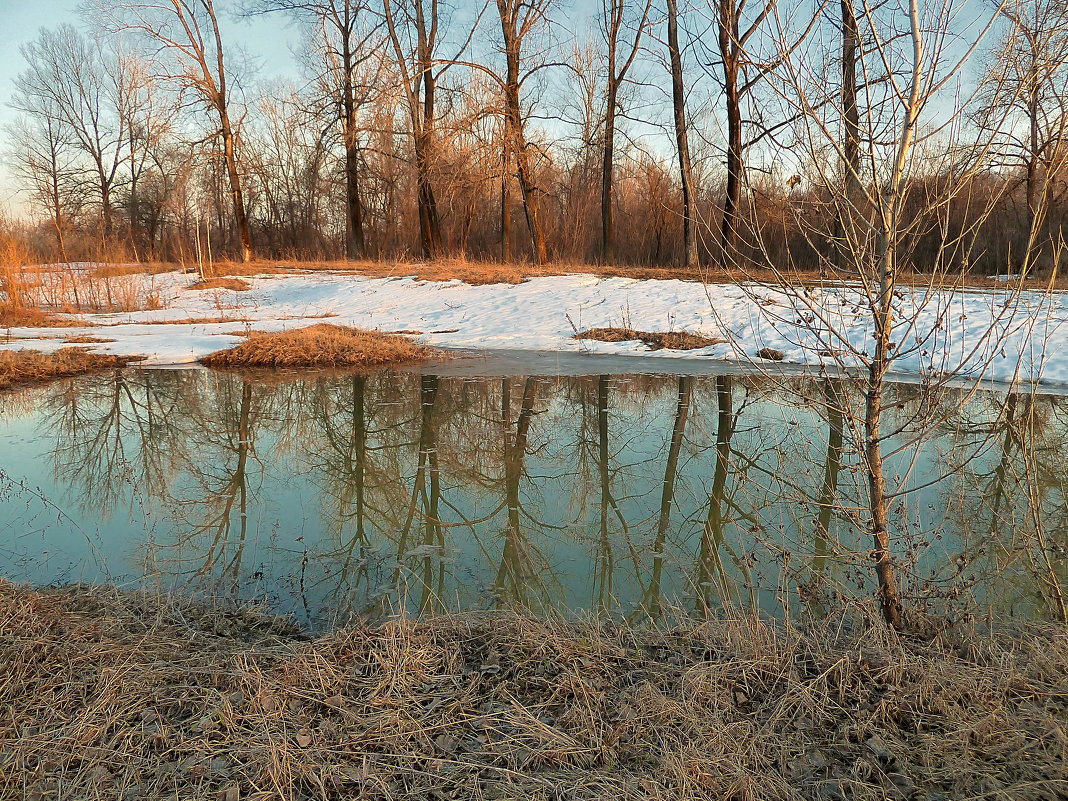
635	495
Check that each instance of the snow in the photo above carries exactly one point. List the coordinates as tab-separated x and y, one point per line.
996	333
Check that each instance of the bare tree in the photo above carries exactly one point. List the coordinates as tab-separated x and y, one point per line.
1026	103
612	18
44	159
72	76
520	21
678	107
420	69
908	64
150	115
345	41
188	30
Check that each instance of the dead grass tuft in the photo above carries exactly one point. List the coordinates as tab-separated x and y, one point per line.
236	284
86	339
110	695
671	340
320	346
19	367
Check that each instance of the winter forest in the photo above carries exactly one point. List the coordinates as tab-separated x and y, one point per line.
745	134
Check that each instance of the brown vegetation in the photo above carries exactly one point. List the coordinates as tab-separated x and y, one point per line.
109	695
236	284
20	367
25	317
321	345
86	339
671	340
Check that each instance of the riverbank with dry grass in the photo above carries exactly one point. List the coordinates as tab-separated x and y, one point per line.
25	367
111	695
320	346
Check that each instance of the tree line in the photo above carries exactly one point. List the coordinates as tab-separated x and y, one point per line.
668	132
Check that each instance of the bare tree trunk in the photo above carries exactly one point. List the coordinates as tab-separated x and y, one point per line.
608	255
236	195
850	135
513	33
506	207
889	599
678	98
355	246
613	25
420	82
222	106
733	192
425	144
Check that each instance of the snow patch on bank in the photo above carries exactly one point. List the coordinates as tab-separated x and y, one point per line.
996	333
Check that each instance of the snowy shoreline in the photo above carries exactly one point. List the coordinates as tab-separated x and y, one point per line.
1002	336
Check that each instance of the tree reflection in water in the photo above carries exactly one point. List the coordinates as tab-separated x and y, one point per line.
634	495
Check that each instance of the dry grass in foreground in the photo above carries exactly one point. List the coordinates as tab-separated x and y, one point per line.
236	284
19	367
121	696
320	346
672	340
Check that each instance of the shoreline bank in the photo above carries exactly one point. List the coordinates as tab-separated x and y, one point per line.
127	695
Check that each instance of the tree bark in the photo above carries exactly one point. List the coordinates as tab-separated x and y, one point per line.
678	99
508	10
355	246
729	51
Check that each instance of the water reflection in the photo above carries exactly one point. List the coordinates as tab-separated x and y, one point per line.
636	495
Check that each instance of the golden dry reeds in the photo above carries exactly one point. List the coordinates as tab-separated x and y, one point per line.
654	340
12	316
21	367
108	695
323	345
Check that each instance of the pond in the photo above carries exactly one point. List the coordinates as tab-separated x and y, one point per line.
566	488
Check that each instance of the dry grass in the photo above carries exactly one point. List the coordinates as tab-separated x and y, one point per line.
671	340
320	346
235	284
109	696
86	339
20	367
491	272
27	317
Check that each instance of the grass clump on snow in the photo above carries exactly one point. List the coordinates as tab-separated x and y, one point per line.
235	284
19	367
320	346
109	695
654	340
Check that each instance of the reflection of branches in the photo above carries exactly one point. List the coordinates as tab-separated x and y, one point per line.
829	488
119	432
1023	495
682	410
232	487
710	569
516	571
